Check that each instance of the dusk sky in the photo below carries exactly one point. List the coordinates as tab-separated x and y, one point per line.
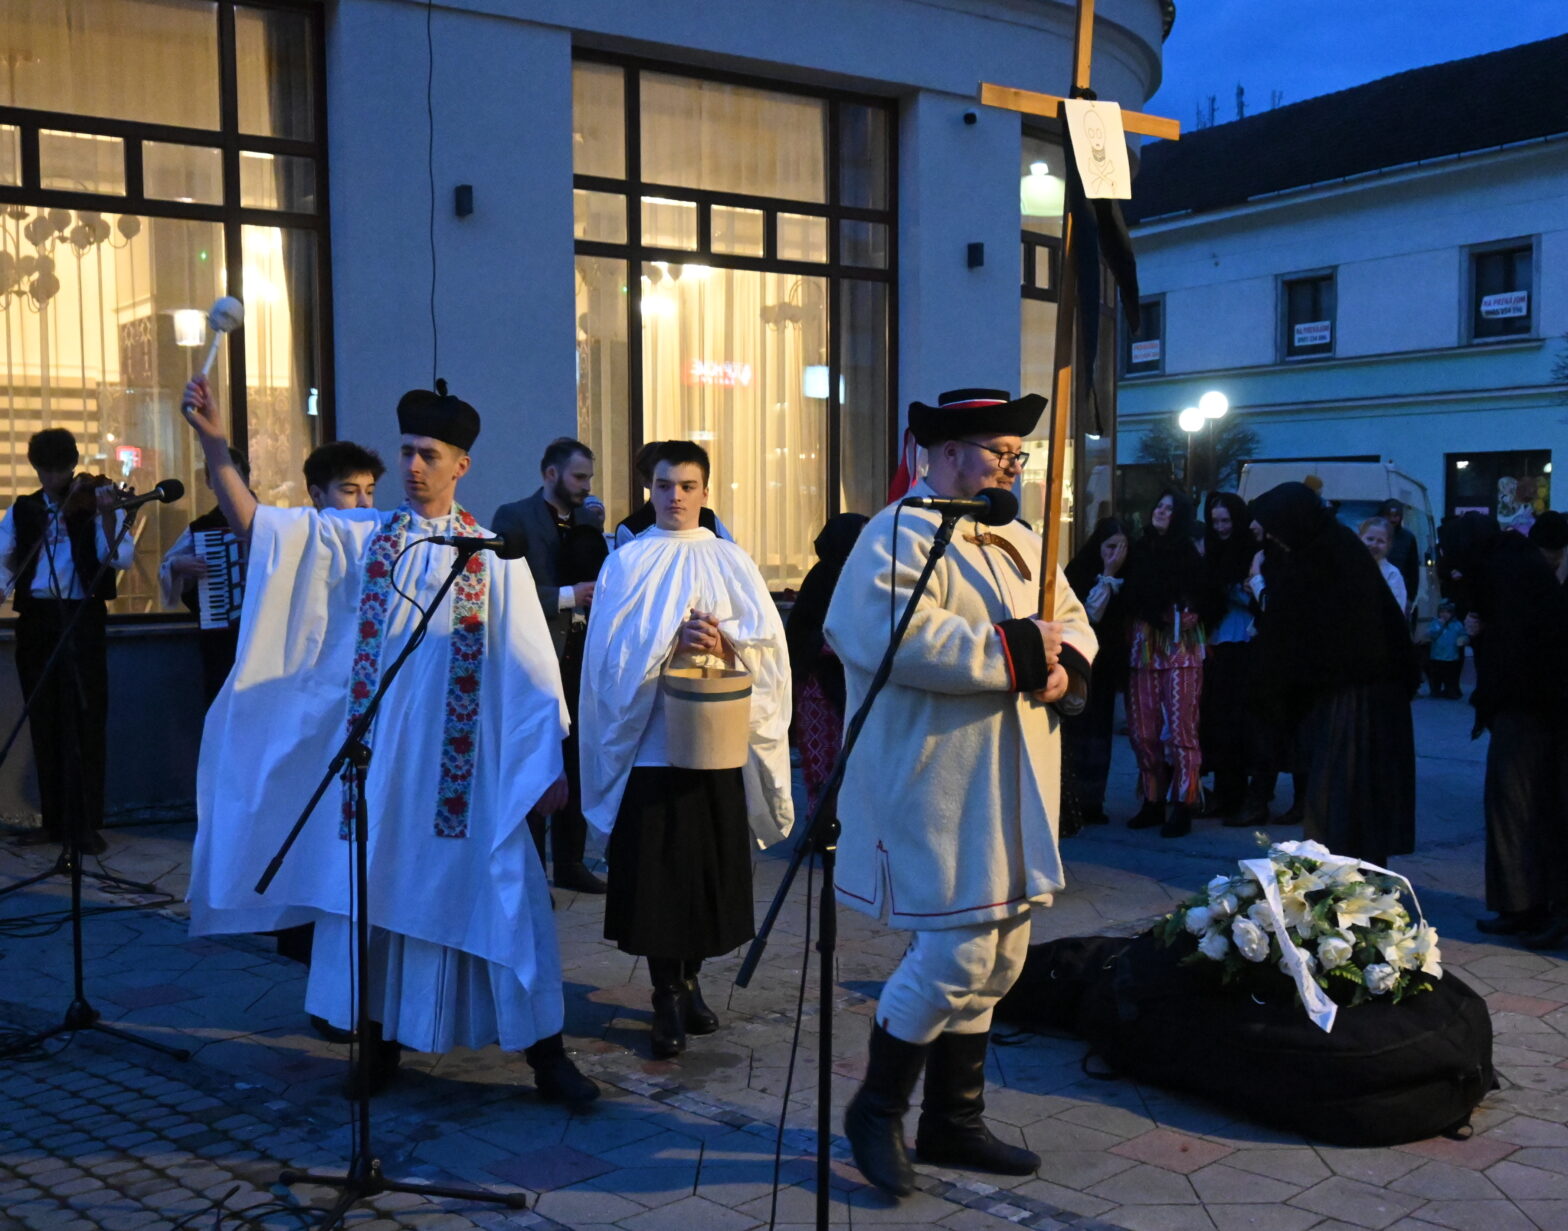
1317	48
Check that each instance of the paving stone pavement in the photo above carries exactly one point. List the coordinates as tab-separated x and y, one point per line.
99	1133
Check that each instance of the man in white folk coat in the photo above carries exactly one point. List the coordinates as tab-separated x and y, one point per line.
463	948
950	802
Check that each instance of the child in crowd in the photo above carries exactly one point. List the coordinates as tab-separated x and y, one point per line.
1446	642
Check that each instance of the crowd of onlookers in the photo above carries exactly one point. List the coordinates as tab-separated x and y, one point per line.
1270	638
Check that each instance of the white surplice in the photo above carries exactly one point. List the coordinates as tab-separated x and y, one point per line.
644	592
464	950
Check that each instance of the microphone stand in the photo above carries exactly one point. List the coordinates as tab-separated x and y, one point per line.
80	1013
820	837
364	1178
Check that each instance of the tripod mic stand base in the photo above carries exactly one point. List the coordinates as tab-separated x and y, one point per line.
366	1180
80	1015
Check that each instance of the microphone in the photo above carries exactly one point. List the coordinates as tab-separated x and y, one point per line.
505	546
992	506
164	493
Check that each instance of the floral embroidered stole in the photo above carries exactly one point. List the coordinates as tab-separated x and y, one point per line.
465	665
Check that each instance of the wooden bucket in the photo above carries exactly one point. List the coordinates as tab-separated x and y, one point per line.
707	716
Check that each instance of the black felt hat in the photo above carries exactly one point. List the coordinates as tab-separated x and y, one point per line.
439	415
965	412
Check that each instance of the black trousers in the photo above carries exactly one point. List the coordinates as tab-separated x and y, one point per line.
1526	803
1443	677
69	714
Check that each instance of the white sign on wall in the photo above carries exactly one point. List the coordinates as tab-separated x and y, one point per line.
1313	333
1505	303
1145	352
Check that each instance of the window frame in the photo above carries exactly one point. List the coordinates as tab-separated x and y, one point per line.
1127	370
233	218
1288	352
1470	308
633	189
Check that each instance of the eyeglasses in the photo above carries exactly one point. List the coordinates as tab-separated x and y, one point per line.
1003	458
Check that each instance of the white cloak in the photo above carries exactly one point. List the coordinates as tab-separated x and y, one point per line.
645	590
950	800
465	916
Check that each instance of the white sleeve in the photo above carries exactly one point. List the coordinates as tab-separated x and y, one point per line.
127	550
7	546
170	588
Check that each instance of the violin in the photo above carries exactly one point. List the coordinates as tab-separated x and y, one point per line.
82	495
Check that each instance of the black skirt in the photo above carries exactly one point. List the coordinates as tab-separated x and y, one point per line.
1223	721
1357	747
680	865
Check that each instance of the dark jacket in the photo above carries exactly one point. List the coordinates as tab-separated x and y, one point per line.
31	515
533	521
1164	571
1521	655
1330	622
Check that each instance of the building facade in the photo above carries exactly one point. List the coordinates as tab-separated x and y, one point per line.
764	227
1379	274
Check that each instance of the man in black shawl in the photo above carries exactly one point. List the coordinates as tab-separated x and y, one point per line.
1347	695
1518	617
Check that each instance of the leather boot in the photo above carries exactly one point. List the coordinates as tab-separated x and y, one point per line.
1179	824
1147	817
700	1019
874	1119
556	1078
670	1000
952	1132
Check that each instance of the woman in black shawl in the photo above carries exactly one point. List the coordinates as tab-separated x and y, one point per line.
1168	598
1518	615
1228	549
1333	659
1095	576
817	728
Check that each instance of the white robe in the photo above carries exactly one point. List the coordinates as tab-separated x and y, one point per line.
465	950
645	591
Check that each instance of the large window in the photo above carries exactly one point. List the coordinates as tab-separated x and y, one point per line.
1500	283
1513	486
154	155
734	279
1307	315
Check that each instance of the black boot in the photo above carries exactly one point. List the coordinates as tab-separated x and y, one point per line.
1147	817
1180	823
874	1119
556	1078
700	1019
670	999
952	1132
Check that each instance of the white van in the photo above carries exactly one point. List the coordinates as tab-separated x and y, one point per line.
1358	490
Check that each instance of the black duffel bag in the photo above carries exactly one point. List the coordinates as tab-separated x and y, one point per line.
1386	1074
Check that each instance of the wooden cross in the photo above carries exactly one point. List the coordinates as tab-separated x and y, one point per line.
1051	106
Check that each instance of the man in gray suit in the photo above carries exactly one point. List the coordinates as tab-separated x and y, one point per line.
543	522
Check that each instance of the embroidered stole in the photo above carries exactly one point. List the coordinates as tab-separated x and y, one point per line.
465	665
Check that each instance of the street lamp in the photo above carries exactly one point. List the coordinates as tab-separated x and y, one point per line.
1213	405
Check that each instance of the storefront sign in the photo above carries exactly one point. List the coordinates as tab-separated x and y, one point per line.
1313	333
722	372
1505	303
1145	352
129	457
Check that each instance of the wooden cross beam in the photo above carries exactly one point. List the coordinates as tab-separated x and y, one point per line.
1050	106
